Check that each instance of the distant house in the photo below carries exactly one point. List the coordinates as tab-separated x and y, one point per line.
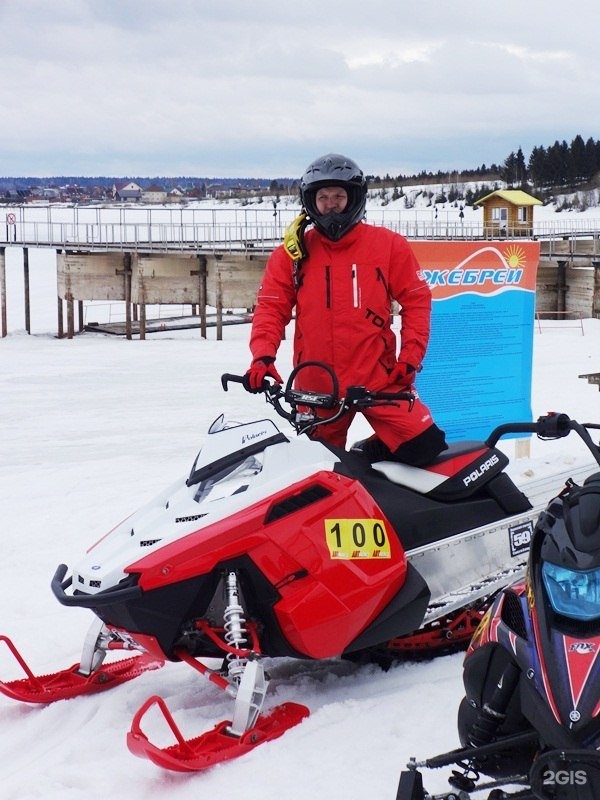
128	192
508	211
45	192
154	194
214	190
15	195
196	192
176	195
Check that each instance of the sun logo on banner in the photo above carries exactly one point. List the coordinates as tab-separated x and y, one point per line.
515	256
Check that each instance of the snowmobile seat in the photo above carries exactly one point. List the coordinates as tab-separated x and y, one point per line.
458	472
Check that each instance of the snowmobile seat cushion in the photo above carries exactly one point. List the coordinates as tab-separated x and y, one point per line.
459	472
455	449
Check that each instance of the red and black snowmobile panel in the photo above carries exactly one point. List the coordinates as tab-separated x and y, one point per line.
321	544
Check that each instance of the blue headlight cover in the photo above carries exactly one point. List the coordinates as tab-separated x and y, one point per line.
573	593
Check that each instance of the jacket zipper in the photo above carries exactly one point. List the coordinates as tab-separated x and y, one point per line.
380	277
327	287
355	290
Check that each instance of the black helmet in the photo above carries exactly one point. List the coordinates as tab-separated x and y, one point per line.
569	551
334	170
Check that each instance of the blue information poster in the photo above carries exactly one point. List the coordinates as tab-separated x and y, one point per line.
477	371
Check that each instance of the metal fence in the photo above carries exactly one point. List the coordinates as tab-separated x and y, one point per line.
234	228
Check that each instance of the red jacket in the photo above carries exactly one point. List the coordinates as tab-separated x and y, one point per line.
343	305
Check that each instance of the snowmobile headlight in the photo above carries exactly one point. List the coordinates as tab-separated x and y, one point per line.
573	593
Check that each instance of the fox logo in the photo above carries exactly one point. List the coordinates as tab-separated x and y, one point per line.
583	648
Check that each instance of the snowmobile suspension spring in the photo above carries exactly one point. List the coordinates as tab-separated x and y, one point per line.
235	630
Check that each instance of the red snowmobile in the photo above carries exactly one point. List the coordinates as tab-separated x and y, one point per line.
285	547
530	719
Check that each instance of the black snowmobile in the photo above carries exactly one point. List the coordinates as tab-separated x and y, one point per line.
530	718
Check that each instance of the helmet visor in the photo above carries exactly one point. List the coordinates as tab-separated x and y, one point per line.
573	593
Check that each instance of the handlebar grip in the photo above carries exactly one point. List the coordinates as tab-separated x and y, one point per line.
227	377
394	395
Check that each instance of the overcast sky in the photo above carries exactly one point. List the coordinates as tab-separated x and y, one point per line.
258	88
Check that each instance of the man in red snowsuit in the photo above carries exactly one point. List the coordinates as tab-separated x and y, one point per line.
341	278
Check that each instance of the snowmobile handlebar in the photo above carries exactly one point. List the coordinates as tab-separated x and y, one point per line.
356	397
551	426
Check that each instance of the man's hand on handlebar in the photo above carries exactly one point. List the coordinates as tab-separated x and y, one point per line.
261	368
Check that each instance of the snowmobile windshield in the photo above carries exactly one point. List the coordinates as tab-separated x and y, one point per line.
573	593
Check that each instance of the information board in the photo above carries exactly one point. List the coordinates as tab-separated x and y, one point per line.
477	370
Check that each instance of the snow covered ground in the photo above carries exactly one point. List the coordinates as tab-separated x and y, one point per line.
89	430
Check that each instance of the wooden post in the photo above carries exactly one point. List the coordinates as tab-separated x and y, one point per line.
561	287
60	329
26	289
127	276
80	314
142	305
70	315
202	269
219	306
522	448
596	291
68	297
3	291
142	320
59	304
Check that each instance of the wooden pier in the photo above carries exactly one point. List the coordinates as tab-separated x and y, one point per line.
216	257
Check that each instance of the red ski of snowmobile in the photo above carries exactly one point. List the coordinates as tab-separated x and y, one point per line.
212	747
70	682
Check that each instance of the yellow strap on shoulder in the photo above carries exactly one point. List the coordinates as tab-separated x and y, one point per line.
293	238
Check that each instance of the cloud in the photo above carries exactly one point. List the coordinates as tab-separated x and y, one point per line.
217	86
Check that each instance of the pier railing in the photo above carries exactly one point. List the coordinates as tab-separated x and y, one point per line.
234	229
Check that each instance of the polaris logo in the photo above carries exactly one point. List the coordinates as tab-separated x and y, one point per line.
481	470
